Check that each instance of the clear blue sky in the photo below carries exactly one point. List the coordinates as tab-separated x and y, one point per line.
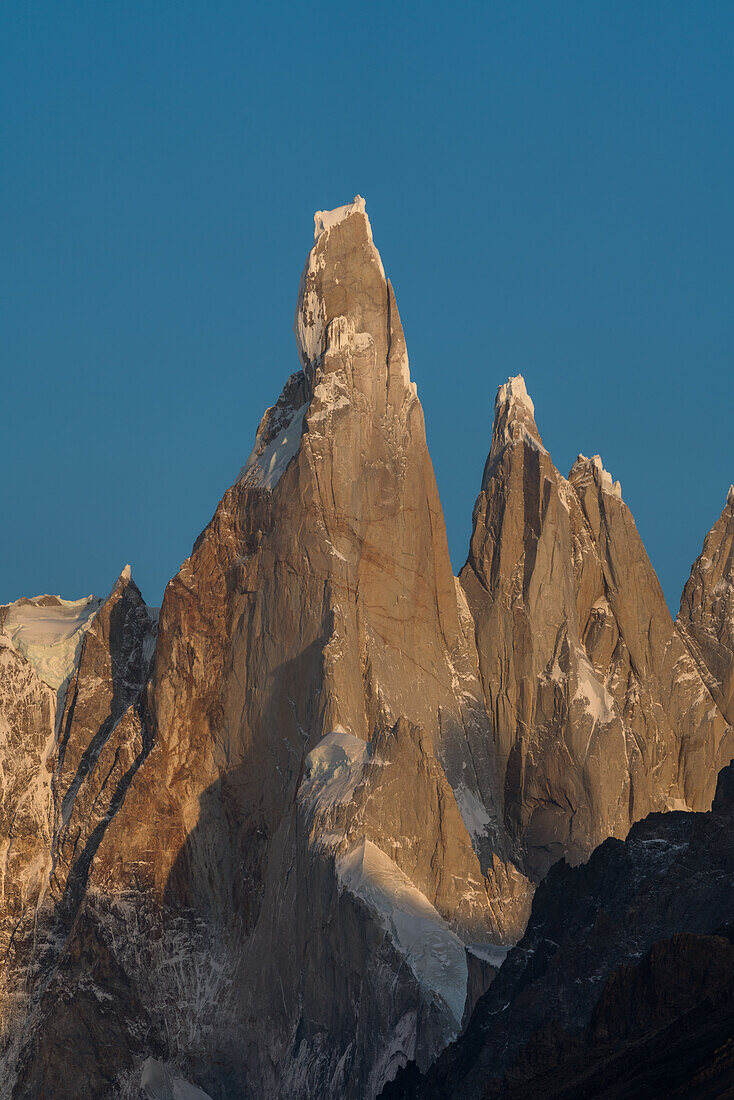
550	185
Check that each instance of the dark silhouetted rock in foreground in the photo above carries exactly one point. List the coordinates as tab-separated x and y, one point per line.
623	985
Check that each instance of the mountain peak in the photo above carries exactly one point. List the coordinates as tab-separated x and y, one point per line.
730	495
343	277
124	580
515	391
346	311
585	468
514	420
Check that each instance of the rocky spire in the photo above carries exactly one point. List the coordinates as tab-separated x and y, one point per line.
586	470
351	346
514	420
707	608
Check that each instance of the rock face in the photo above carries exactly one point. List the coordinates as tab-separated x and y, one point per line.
707	609
600	713
622	985
276	842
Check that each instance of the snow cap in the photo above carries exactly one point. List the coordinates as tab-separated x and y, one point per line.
602	477
311	321
514	421
730	495
605	478
327	219
514	391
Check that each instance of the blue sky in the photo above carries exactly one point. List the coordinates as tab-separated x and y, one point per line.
550	186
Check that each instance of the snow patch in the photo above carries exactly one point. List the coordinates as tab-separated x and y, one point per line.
157	1083
520	432
492	953
514	410
326	412
564	492
326	219
310	322
433	952
333	550
265	468
329	396
603	477
48	631
599	702
462	604
514	390
334	769
476	819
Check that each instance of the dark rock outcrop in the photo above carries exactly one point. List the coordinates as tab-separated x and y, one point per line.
622	985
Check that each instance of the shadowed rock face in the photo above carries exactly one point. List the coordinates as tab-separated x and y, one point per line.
600	713
707	609
622	985
276	838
